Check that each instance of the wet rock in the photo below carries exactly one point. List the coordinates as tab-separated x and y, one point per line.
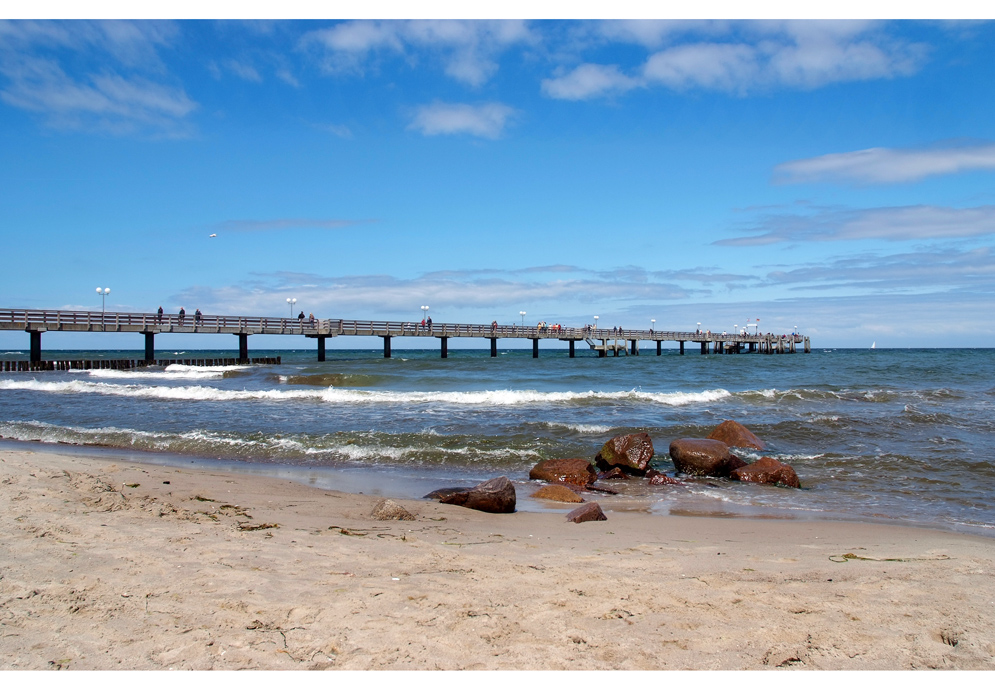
493	496
388	510
556	492
735	435
575	471
632	452
439	494
613	473
660	479
767	471
586	513
703	457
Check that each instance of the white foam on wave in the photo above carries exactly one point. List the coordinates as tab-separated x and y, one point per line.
172	372
352	396
580	428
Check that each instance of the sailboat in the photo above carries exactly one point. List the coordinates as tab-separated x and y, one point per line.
874	344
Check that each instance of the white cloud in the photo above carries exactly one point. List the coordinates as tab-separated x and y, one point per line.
243	70
745	57
881	165
588	81
898	223
468	49
487	120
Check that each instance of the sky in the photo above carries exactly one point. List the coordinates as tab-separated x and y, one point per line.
837	176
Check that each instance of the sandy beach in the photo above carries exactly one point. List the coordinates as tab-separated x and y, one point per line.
109	564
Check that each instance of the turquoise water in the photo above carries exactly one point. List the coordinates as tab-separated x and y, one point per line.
895	435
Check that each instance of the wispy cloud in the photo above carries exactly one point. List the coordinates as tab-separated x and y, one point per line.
898	223
274	224
755	56
468	49
487	120
40	65
883	166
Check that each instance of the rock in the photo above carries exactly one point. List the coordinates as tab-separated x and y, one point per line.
660	479
613	473
439	494
633	452
767	471
586	513
735	435
493	496
576	471
703	457
555	492
388	510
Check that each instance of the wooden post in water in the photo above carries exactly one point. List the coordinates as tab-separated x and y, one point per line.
535	348
572	349
386	347
149	347
445	346
35	355
243	346
321	348
493	347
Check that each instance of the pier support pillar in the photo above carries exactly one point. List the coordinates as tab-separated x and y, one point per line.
704	348
386	347
792	344
572	348
445	346
493	347
616	347
321	348
808	345
719	348
682	346
243	346
659	347
535	348
603	351
35	346
149	347
635	347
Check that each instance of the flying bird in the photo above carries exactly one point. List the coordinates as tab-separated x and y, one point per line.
214	234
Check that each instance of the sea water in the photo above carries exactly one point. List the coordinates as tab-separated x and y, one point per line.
875	435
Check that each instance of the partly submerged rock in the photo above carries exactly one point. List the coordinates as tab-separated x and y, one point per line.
576	471
703	457
613	473
557	492
586	513
735	435
439	494
493	496
388	510
659	478
767	471
632	452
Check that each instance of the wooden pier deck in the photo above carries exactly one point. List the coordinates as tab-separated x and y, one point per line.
602	340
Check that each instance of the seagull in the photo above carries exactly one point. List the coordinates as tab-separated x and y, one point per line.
213	234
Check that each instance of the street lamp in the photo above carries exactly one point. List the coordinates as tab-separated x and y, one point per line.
699	327
522	314
103	298
595	323
424	312
652	324
291	301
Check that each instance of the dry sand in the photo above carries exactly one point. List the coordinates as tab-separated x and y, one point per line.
105	565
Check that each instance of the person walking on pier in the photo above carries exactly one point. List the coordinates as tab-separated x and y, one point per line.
196	316
183	313
159	315
311	319
300	318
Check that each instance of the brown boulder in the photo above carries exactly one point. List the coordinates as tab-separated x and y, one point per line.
659	478
555	492
439	494
576	471
633	452
388	510
767	471
735	435
586	513
703	457
493	496
613	473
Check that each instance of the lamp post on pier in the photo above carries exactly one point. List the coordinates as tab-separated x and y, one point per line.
595	323
699	327
291	301
424	312
652	324
103	299
522	314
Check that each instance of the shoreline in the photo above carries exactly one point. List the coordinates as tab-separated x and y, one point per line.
106	566
412	483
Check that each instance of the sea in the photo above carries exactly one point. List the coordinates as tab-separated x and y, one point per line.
875	435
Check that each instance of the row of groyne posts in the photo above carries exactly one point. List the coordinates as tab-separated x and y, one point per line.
601	340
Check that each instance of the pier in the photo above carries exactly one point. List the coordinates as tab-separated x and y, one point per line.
617	342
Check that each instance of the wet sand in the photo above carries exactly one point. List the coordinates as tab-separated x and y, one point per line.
112	564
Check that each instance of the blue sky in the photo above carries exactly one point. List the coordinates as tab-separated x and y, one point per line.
838	176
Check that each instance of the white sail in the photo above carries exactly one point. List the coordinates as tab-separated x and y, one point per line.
874	344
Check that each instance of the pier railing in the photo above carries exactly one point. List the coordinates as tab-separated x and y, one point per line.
62	320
